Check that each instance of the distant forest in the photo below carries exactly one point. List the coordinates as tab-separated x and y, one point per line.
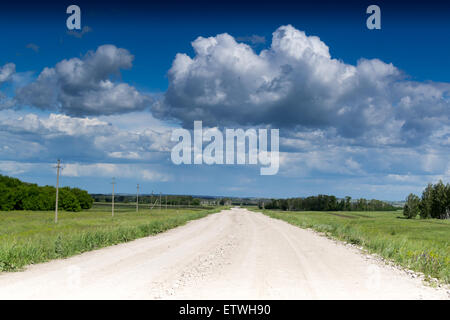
327	203
18	195
148	199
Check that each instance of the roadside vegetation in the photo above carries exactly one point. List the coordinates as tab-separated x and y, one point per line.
435	203
324	202
18	195
418	244
29	237
169	199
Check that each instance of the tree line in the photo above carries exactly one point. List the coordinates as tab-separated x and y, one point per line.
18	195
178	200
323	202
434	203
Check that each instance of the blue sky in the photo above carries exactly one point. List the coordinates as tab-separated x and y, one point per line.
381	132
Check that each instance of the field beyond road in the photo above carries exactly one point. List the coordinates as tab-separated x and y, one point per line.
418	244
233	254
28	237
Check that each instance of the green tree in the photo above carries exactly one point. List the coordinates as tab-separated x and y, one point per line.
83	197
426	202
447	206
68	201
7	198
439	200
18	195
411	208
348	203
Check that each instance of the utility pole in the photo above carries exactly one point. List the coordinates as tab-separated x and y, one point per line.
151	201
160	201
58	166
112	207
137	198
166	201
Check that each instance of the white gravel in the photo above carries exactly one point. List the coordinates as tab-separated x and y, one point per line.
234	254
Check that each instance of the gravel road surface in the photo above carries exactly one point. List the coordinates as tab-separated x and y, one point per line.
234	254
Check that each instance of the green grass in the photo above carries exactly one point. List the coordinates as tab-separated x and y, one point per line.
28	237
420	245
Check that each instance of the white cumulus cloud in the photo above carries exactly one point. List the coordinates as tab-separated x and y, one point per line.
85	86
297	84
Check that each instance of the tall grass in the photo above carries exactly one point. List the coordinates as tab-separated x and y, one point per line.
420	245
29	237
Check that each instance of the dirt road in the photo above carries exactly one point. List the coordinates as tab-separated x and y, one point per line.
233	254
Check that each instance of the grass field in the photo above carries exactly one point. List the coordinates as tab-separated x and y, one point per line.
420	245
28	237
